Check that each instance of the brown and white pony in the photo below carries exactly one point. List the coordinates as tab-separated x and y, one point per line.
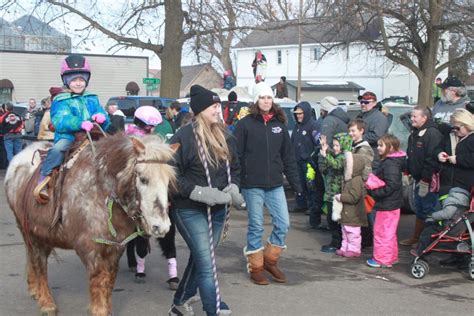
133	171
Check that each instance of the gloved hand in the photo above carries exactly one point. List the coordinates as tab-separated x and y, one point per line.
423	188
87	126
429	220
99	118
233	190
210	196
310	172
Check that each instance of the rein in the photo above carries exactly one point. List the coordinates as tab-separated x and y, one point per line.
203	159
136	215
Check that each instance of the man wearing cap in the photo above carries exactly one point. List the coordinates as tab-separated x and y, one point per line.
304	144
454	96
265	153
376	122
335	120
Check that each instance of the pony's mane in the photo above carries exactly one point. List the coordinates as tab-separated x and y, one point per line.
116	157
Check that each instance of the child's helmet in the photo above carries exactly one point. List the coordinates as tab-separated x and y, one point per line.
147	115
75	64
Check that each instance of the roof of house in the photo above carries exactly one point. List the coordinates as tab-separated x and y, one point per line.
6	28
32	26
189	73
316	30
325	85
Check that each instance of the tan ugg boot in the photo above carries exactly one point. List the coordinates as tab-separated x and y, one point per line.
271	255
255	266
419	226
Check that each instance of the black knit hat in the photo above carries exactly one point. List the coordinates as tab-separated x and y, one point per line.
201	98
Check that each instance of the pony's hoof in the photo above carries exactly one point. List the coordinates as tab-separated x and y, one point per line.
140	278
49	311
173	283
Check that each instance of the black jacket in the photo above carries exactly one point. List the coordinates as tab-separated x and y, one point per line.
335	122
190	171
422	143
302	137
377	126
462	173
389	197
265	153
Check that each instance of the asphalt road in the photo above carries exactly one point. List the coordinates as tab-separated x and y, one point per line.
319	283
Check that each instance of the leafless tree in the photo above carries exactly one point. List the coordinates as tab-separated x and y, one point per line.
413	33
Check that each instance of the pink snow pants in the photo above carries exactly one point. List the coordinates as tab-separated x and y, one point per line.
351	239
385	236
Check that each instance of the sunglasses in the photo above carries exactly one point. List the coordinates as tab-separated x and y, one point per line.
457	128
365	101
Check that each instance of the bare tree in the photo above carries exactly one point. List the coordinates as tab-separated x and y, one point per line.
414	34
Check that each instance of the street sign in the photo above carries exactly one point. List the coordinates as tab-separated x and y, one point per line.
152	86
151	80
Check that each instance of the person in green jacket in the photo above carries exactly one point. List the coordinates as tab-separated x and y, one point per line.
437	90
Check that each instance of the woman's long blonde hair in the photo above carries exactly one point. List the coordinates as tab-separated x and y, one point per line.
213	139
464	117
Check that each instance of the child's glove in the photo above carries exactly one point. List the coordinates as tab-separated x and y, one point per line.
233	190
210	196
87	126
423	189
99	118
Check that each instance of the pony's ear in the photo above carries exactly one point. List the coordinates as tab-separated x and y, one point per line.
174	147
138	145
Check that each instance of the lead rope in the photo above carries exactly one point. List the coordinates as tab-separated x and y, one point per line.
202	156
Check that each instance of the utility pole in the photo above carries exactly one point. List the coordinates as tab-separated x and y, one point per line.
300	44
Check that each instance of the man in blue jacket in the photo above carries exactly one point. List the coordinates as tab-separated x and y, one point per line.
304	144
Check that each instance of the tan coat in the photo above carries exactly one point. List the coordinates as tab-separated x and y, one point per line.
353	193
44	132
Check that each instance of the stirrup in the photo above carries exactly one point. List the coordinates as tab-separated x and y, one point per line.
41	191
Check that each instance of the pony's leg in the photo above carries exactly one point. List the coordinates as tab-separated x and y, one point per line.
32	275
38	267
101	282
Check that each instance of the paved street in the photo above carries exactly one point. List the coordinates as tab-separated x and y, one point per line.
319	283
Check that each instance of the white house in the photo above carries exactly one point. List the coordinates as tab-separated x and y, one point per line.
355	64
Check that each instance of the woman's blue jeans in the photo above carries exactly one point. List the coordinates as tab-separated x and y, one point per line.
193	226
275	200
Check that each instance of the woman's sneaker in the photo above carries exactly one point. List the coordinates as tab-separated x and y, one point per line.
225	309
186	309
374	264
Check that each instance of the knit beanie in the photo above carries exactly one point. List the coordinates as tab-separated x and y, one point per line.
201	98
261	89
232	97
67	78
54	91
329	103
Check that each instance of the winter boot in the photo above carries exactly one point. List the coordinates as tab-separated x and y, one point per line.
255	266
271	256
41	191
419	225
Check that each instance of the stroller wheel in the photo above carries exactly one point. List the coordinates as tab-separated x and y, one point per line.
419	269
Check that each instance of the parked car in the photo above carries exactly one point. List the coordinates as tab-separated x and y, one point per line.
128	104
396	99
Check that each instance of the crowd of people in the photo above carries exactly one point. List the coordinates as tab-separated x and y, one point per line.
350	170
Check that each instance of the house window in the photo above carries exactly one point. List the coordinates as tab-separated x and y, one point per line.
316	53
279	57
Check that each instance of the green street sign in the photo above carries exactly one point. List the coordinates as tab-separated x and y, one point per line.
151	80
152	86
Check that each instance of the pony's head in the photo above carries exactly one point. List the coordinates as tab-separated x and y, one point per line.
141	184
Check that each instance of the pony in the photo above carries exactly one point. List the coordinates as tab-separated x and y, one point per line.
107	195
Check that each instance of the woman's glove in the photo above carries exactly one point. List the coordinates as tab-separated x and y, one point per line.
99	118
87	126
233	190
210	196
423	188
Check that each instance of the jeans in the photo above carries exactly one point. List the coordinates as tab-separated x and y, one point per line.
55	156
13	145
275	200
425	206
193	226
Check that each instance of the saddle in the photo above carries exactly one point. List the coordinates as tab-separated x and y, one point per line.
53	183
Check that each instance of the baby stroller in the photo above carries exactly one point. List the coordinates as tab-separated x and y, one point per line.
459	241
